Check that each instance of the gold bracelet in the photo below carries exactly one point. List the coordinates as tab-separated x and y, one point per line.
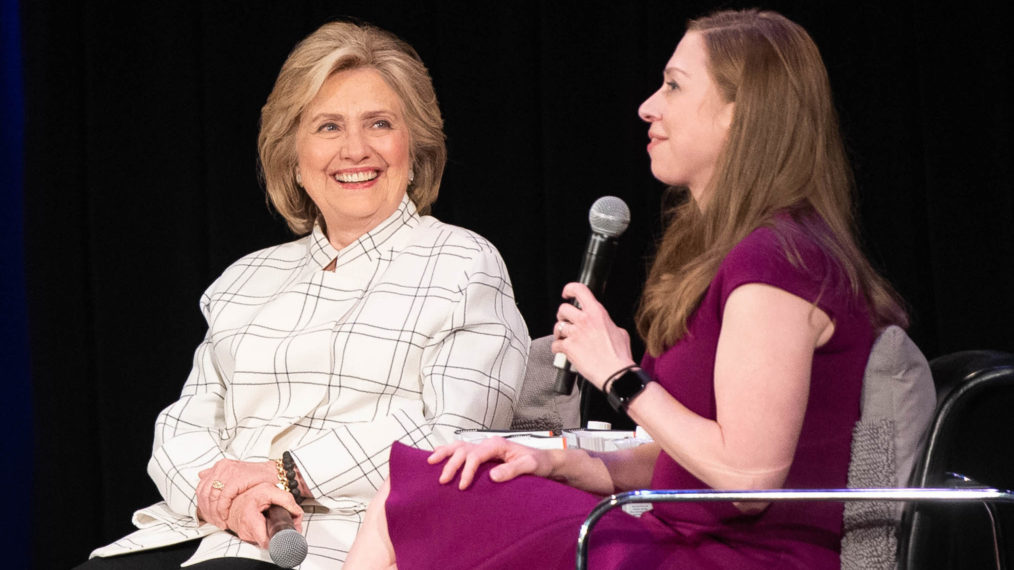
283	481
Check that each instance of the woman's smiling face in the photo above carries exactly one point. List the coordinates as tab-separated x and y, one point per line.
353	156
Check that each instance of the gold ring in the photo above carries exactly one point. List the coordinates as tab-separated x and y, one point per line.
216	484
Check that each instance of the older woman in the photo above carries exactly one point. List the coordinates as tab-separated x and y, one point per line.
381	324
759	314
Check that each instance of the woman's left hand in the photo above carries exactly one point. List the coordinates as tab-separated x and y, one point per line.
225	481
467	457
594	345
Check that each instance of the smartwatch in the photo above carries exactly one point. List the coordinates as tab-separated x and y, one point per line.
625	387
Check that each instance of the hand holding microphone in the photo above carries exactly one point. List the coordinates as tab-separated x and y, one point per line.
609	217
287	547
256	516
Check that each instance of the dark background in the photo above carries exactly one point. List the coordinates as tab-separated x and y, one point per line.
140	187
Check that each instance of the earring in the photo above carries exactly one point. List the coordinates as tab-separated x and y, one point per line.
411	175
299	179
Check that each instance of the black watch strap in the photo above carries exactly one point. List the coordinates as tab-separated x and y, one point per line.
624	388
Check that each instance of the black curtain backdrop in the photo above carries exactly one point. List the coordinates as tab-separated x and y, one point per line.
141	184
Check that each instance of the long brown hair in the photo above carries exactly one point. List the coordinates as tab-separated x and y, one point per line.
783	153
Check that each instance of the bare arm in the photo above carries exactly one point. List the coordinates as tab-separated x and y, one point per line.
762	381
630	469
762	376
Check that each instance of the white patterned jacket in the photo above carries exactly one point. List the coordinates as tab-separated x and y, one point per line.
414	335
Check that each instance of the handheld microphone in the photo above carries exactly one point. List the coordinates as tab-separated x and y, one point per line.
609	217
287	546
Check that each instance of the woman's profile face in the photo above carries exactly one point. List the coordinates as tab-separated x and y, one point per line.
352	149
688	120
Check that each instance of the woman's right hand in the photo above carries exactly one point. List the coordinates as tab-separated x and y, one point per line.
247	519
467	457
594	345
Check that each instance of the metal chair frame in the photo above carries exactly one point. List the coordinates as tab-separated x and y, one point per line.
985	495
958	377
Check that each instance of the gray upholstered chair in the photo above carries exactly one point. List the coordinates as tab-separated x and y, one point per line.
897	405
896	408
539	407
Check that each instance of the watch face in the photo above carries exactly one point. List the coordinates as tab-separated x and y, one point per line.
627	386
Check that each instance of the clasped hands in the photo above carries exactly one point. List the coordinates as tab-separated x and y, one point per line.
233	495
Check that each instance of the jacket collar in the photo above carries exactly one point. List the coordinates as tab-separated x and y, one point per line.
322	253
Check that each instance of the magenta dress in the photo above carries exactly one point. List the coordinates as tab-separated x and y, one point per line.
532	523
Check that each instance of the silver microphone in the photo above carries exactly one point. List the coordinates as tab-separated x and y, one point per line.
287	547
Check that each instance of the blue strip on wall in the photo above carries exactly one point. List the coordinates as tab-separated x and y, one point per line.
16	409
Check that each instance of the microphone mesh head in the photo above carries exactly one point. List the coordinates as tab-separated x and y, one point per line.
609	216
287	548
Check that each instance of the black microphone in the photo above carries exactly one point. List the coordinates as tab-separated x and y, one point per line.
287	546
609	217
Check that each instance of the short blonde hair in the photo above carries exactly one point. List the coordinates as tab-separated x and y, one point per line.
336	47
